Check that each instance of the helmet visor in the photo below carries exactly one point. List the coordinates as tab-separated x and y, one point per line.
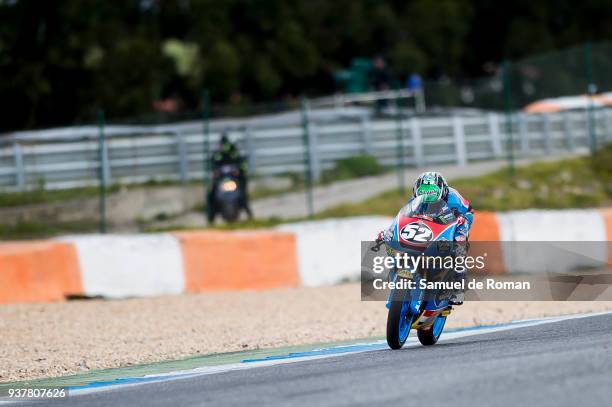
430	193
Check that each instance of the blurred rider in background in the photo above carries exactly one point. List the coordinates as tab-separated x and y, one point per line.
228	154
380	80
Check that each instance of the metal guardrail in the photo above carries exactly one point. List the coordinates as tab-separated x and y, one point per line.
69	157
341	99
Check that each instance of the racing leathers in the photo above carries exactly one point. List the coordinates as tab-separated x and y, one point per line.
463	210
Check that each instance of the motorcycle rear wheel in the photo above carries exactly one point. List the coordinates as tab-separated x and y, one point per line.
430	336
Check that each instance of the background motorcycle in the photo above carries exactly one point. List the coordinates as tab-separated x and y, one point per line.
227	196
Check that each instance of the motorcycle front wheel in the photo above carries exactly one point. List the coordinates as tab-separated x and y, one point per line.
399	320
229	211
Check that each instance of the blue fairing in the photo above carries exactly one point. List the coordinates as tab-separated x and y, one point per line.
414	301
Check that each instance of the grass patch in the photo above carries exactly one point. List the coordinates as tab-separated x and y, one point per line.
243	224
353	167
347	168
38	230
574	183
39	196
388	203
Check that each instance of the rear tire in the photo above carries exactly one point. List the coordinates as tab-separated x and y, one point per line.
430	336
398	324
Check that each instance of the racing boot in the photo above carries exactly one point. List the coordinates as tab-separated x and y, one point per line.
458	295
460	249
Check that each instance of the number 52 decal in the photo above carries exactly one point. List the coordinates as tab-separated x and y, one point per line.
416	232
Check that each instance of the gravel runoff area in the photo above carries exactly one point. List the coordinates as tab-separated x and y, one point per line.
45	340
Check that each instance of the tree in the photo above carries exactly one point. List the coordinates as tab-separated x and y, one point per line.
61	60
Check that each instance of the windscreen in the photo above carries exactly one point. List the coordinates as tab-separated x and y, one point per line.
438	211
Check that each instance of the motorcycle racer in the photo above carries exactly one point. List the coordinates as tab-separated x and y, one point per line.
433	187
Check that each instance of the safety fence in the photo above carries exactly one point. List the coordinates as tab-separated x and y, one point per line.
75	157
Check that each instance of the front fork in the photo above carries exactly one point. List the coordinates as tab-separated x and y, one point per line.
414	301
414	298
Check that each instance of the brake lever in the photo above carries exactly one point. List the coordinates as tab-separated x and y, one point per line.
376	247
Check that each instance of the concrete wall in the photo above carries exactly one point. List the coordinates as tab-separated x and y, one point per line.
306	253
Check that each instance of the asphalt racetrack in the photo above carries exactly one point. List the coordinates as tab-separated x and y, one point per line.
562	363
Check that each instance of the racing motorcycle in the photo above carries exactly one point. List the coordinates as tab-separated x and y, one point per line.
426	230
227	196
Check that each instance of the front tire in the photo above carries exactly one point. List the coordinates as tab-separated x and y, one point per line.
399	320
229	212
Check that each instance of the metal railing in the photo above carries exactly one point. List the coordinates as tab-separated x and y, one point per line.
70	157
